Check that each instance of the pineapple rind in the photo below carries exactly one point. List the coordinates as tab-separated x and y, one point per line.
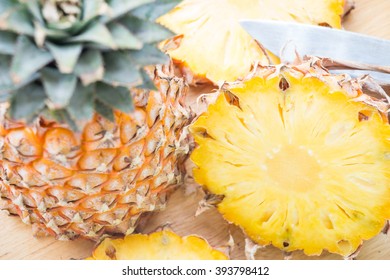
100	181
331	191
161	245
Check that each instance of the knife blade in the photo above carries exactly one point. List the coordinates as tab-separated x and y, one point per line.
339	45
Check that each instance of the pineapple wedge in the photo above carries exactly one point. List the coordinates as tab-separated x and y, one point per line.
212	44
161	245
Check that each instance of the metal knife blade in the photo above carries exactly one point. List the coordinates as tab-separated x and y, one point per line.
320	41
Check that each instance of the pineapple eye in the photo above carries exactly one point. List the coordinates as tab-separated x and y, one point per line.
111	252
283	84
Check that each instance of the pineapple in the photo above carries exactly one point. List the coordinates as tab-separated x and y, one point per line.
212	44
90	140
299	157
161	245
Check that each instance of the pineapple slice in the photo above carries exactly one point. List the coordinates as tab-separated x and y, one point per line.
162	245
213	44
302	164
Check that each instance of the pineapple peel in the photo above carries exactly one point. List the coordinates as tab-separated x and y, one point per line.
301	158
161	245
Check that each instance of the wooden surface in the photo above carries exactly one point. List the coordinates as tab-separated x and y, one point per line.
16	241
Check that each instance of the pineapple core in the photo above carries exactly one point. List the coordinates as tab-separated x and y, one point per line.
292	167
302	167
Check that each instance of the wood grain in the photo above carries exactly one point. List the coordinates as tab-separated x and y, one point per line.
370	17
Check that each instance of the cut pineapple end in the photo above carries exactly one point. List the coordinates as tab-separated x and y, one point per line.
162	245
215	46
297	164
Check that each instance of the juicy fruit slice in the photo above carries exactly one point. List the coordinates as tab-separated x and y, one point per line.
162	245
102	180
301	164
212	42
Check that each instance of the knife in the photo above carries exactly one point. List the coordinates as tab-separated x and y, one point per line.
370	55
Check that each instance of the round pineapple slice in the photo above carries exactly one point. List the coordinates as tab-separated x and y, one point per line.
162	245
212	43
101	181
302	164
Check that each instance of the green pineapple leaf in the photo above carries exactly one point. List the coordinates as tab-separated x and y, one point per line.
66	56
18	21
58	87
120	70
7	42
148	55
90	67
104	110
155	10
81	105
115	97
123	38
27	101
28	59
147	31
118	8
96	33
6	83
147	83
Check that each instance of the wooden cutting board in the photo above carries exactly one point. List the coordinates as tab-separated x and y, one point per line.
16	241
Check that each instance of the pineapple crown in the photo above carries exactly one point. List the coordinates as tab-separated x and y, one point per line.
67	59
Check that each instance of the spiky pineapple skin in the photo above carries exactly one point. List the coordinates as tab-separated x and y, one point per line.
160	245
300	158
102	180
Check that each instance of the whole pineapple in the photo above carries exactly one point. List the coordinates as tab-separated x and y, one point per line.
299	157
121	149
161	245
210	43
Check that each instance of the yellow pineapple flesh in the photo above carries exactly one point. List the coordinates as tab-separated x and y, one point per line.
162	245
212	44
101	180
301	159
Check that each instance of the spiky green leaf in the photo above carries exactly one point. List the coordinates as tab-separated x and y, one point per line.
28	59
53	34
5	79
6	6
66	56
147	82
148	55
7	42
119	8
18	20
123	38
95	33
104	110
58	87
93	9
90	67
120	70
116	97
147	31
156	9
81	105
63	116
35	9
27	102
